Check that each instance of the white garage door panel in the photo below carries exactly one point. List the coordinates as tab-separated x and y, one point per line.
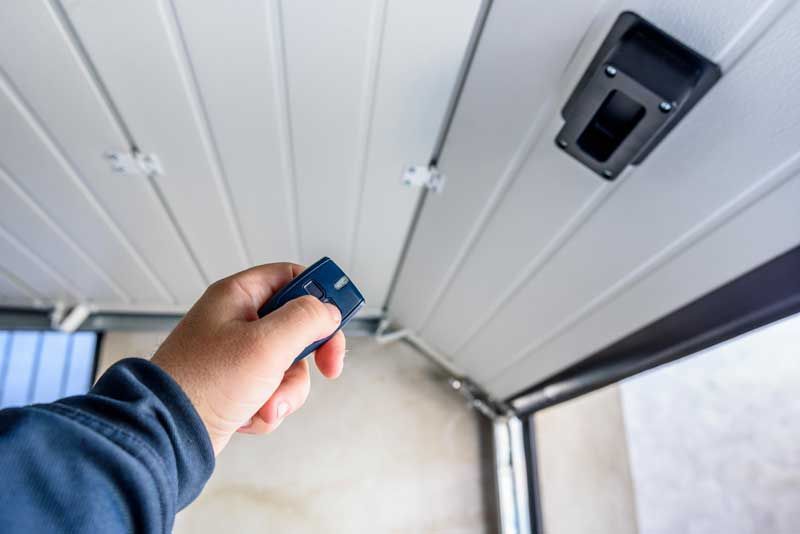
551	195
730	251
363	105
529	241
727	143
20	263
416	75
139	52
548	197
520	59
329	51
237	56
282	127
127	207
40	169
27	223
14	292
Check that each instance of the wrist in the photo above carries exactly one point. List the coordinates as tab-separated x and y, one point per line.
217	435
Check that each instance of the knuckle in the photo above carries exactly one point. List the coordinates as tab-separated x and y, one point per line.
222	286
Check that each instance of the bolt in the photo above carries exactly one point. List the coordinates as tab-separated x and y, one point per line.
665	107
608	173
562	143
611	71
455	383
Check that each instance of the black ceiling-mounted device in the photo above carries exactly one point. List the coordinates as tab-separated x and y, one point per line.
638	86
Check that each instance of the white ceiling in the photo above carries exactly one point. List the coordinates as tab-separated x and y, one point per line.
282	127
529	262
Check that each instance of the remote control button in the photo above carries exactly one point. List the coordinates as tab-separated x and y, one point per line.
313	289
341	282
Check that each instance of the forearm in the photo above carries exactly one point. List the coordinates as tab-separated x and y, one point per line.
124	458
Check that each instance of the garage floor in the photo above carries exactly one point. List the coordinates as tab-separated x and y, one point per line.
386	448
713	439
705	444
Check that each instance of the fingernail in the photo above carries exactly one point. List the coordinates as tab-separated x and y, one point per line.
336	315
283	408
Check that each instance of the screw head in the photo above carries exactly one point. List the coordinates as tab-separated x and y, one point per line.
608	173
665	107
562	143
455	383
611	71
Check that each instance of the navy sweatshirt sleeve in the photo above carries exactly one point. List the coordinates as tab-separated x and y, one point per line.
123	458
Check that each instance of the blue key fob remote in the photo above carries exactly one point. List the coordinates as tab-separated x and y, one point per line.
326	281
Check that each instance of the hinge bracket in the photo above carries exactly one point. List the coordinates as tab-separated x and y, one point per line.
134	163
69	320
425	176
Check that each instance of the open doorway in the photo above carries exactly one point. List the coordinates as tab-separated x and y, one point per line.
704	444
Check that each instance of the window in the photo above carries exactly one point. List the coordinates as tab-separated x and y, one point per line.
40	366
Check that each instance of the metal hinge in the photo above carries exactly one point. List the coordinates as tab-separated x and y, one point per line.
134	163
68	320
424	176
478	399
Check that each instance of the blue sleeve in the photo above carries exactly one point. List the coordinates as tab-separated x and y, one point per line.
123	458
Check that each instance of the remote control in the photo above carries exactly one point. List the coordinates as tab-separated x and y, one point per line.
326	281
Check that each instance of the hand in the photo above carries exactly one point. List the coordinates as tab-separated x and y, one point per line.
236	368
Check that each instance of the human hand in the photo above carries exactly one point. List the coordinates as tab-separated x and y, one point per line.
237	368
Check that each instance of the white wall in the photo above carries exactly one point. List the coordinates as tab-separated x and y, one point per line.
583	467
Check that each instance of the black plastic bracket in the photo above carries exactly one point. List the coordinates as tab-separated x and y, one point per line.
639	85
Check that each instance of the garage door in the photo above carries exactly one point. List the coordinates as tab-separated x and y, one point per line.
529	261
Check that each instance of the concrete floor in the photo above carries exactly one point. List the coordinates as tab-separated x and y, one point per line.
706	444
714	439
386	448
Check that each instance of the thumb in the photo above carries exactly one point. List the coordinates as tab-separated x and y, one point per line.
295	325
